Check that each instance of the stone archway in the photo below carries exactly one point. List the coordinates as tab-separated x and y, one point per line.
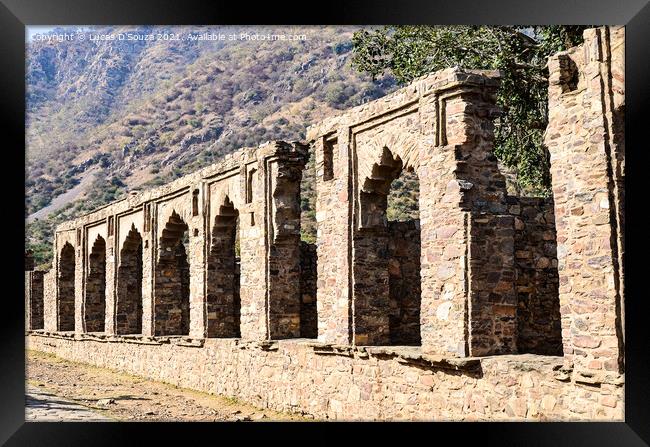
66	289
386	261
95	299
128	313
223	299
172	280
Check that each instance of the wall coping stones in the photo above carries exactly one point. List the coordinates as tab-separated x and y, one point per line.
407	355
438	81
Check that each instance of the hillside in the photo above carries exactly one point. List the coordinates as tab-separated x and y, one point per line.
108	117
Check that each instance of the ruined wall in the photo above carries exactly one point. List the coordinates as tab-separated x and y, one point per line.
308	279
483	275
34	300
284	253
49	301
441	128
404	282
166	233
363	383
585	140
535	255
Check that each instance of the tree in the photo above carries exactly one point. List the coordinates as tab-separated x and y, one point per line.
408	52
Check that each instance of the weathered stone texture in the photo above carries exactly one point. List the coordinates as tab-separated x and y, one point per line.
371	383
195	281
66	295
308	278
128	304
535	255
95	288
440	127
585	139
34	300
404	282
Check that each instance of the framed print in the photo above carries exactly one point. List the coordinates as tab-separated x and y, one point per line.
408	213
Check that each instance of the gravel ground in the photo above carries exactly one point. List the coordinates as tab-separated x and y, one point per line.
59	388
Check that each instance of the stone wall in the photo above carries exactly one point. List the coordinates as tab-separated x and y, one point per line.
480	277
404	282
34	300
535	254
308	279
586	143
169	234
362	383
441	128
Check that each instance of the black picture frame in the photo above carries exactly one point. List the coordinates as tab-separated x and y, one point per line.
16	14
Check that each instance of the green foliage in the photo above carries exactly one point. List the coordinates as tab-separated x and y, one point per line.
403	198
308	201
408	52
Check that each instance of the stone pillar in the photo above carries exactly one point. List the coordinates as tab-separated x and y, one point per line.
468	296
269	231
197	257
253	243
29	266
586	142
49	300
79	279
111	276
333	216
149	246
444	238
52	324
284	237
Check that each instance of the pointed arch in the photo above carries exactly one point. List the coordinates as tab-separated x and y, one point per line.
172	279
128	307
95	296
66	289
387	293
223	302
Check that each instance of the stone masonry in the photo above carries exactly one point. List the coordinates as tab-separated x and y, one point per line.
488	307
585	137
538	304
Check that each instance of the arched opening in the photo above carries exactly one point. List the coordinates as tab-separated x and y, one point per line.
223	299
36	301
128	312
404	282
66	292
172	280
387	256
95	300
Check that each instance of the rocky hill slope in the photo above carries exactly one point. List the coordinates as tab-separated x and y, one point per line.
107	117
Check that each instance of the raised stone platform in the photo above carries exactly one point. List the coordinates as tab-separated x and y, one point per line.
353	383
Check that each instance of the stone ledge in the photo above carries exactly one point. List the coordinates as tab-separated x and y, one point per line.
594	378
264	345
178	340
409	355
48	334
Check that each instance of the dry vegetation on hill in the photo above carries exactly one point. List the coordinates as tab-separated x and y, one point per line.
137	114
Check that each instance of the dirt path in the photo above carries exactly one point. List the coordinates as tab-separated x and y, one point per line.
42	406
130	398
